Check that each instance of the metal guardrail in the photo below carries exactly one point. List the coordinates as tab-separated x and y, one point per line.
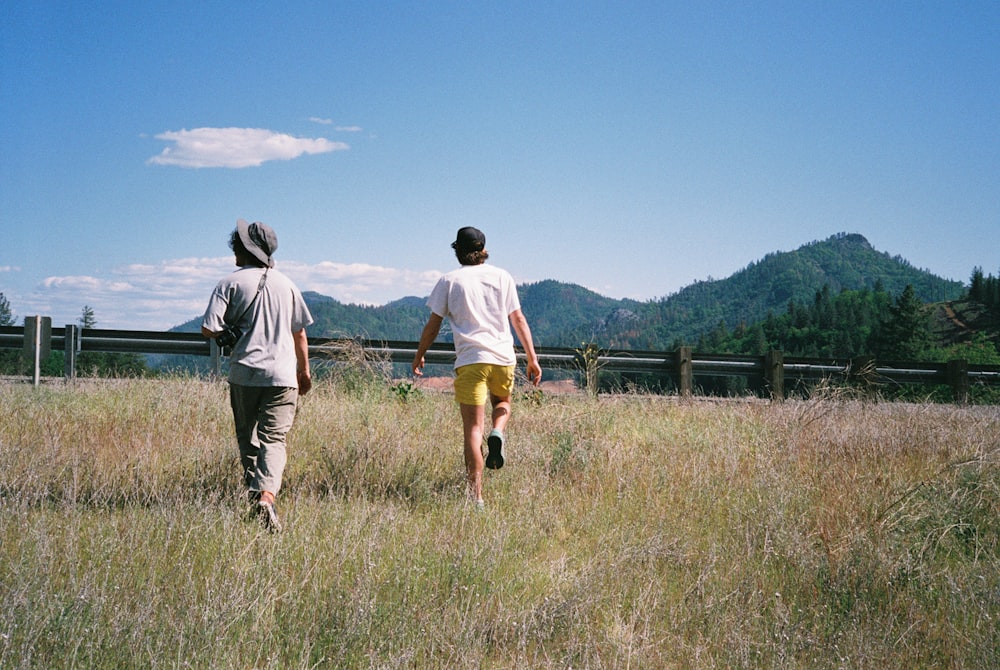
683	365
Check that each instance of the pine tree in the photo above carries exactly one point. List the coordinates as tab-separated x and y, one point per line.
905	334
6	316
8	359
87	318
977	288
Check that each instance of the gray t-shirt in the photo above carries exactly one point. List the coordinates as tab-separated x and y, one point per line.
265	355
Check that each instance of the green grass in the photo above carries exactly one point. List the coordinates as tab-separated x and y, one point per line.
624	532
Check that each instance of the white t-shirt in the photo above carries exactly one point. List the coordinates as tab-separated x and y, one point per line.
477	300
265	355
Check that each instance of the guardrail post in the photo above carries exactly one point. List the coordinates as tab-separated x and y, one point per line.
71	345
685	373
216	357
958	379
774	374
37	343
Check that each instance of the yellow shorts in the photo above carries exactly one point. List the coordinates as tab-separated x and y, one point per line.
474	383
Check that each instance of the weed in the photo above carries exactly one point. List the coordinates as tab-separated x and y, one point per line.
626	531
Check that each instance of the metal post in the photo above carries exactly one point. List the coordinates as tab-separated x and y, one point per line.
216	357
71	345
37	343
36	350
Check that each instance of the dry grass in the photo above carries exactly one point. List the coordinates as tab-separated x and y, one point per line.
625	532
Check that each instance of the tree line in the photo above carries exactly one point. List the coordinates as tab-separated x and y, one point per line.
985	290
865	322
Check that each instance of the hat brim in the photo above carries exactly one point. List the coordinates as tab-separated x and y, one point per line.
243	228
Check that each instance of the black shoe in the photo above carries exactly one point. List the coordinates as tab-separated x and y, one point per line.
494	460
269	516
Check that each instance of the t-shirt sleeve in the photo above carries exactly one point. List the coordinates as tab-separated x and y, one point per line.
510	295
215	313
438	300
301	316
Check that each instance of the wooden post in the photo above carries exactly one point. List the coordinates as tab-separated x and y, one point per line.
774	374
685	376
958	379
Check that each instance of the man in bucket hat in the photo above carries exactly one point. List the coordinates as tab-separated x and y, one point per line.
269	361
480	301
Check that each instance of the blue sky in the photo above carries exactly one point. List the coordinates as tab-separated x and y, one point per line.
632	148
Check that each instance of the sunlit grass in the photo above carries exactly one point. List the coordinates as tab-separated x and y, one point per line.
625	531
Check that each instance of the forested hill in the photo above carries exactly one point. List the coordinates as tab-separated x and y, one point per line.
844	261
566	315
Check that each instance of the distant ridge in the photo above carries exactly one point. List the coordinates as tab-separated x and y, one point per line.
843	261
566	315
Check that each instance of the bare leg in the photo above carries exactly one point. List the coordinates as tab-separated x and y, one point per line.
473	419
501	412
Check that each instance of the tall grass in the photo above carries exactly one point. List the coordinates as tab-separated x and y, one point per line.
624	532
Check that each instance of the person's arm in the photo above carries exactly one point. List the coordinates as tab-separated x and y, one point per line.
210	334
430	332
520	324
302	361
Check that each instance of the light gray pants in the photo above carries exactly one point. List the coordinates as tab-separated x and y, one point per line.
263	416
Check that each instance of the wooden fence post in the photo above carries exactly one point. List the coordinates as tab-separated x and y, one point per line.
958	379
685	374
774	374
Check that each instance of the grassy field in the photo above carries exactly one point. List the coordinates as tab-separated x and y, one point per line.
624	532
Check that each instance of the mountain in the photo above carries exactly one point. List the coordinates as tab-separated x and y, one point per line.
843	261
566	315
571	314
401	319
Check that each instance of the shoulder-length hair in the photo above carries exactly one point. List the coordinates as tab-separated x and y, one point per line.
471	257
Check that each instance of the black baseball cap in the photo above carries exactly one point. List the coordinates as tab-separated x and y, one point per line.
469	239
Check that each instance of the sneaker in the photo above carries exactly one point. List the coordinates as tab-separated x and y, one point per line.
269	516
480	505
494	460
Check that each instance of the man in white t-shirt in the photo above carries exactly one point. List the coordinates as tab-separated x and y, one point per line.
481	304
269	363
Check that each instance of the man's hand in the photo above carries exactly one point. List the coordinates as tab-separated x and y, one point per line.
427	335
534	372
305	381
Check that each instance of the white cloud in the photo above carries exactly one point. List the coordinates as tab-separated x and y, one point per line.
162	295
360	283
340	129
236	147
